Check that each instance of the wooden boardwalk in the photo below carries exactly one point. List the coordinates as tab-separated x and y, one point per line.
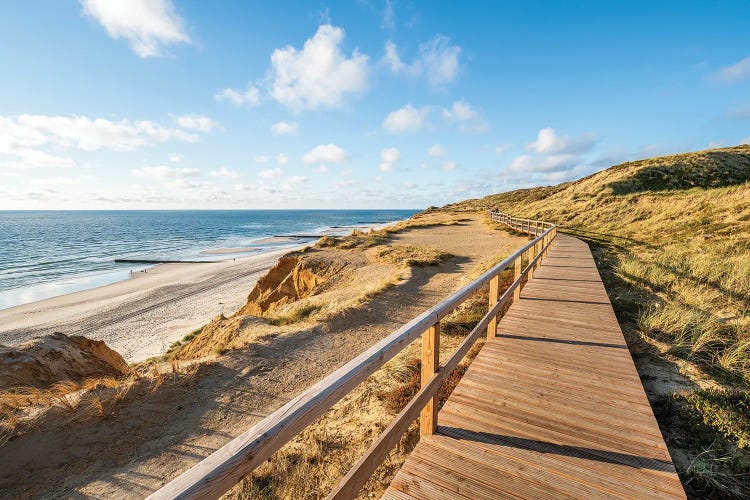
552	407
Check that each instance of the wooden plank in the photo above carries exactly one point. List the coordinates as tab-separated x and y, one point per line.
494	295
430	365
553	402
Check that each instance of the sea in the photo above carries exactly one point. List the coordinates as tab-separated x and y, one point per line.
45	254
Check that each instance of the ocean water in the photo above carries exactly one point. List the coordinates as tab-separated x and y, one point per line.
48	253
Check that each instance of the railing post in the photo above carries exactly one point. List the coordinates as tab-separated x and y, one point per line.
532	254
430	365
516	275
494	293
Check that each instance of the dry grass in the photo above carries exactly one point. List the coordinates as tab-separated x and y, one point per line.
312	464
23	409
411	255
671	236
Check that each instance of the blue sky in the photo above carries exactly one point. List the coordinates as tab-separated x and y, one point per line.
361	103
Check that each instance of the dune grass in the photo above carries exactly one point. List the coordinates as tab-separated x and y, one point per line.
316	459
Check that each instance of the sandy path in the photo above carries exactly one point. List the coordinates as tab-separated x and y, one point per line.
130	315
150	441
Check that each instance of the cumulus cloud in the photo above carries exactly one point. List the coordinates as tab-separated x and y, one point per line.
224	172
735	73
196	122
502	148
24	137
250	96
175	157
281	159
437	60
325	154
271	173
468	119
297	179
436	151
284	128
163	172
406	119
553	157
551	163
147	25
262	159
388	159
28	158
319	74
549	142
450	165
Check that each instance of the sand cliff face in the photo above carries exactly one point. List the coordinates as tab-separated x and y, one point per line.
291	279
46	360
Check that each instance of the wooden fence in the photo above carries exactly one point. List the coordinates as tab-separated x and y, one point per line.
224	468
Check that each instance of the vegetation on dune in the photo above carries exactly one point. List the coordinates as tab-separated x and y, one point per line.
671	236
312	464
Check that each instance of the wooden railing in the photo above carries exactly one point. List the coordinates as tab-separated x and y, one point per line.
224	468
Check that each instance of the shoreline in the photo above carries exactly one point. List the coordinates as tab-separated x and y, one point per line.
90	280
142	314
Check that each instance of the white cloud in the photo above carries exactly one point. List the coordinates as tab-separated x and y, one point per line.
145	24
502	148
469	120
388	159
84	133
406	119
250	96
388	15
551	163
28	158
284	128
393	60
52	182
282	159
195	122
548	142
262	159
163	172
347	172
436	151
271	173
224	172
24	137
734	73
325	154
319	74
297	179
746	140
322	169
450	165
437	59
174	157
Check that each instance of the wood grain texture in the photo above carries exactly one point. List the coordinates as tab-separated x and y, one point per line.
430	365
552	407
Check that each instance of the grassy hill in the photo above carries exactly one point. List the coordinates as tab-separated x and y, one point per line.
671	236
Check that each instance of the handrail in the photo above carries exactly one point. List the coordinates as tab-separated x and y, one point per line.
225	467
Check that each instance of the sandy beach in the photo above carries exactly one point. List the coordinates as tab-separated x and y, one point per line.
140	317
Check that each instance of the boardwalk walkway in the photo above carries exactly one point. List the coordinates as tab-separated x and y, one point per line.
550	408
